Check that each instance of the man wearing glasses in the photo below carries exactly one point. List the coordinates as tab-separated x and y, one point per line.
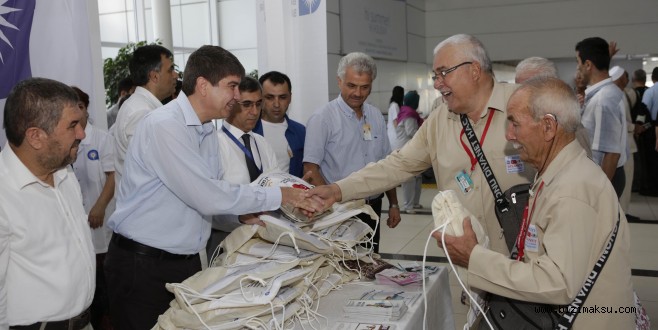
463	74
243	154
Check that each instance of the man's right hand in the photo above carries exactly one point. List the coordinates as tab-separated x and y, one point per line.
328	194
299	199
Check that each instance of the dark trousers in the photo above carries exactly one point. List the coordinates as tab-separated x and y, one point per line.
100	310
376	205
619	181
136	286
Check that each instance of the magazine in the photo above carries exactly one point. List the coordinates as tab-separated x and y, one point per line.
391	310
362	326
409	297
396	276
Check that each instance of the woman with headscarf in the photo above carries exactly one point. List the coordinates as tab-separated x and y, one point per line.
408	122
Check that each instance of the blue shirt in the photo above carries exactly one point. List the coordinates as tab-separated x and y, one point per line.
650	99
172	188
337	142
295	134
604	117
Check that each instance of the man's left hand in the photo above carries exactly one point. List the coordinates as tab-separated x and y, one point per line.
393	217
459	248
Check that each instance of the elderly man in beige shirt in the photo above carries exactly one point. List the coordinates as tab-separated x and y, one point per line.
464	76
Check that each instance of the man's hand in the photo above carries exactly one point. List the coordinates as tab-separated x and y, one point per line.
328	194
459	248
393	217
299	198
96	216
612	48
251	219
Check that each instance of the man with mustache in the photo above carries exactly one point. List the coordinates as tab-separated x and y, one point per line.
347	134
463	75
47	261
244	154
572	216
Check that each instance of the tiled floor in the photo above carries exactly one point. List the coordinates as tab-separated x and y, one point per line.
410	237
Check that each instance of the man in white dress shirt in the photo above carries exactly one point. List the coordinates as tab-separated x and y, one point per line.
94	168
233	152
47	262
152	71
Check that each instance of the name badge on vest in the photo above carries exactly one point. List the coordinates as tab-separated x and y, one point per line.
464	182
531	240
514	164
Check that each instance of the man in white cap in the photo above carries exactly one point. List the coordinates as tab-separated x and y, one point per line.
620	77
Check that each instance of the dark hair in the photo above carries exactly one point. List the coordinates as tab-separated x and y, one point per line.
144	60
213	63
82	96
595	50
654	74
411	99
276	78
249	85
125	85
398	95
640	76
35	102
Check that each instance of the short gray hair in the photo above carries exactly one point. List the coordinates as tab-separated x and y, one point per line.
471	48
535	67
550	95
359	62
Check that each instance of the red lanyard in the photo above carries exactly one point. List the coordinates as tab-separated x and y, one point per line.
474	160
523	232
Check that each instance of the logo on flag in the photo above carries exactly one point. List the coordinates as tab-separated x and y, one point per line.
307	7
15	26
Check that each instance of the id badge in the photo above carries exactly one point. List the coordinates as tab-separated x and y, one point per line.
464	182
367	134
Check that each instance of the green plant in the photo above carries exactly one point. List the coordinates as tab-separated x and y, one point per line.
253	74
115	69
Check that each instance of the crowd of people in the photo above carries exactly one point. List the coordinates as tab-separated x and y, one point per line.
95	223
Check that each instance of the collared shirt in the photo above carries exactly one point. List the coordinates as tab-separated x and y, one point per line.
605	120
47	262
276	135
296	135
650	99
172	185
235	166
95	159
338	145
437	144
572	219
132	111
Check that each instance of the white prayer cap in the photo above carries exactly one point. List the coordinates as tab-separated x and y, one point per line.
615	72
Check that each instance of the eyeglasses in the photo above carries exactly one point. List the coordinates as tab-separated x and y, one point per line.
249	104
444	73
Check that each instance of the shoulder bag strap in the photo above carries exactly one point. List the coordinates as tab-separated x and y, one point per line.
569	317
499	196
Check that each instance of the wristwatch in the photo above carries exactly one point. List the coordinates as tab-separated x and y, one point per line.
394	206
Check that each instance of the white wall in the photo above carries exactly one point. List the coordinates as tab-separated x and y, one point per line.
412	75
516	29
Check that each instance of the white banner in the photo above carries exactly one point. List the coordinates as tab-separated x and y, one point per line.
52	39
292	39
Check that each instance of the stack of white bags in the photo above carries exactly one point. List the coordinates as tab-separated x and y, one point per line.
270	277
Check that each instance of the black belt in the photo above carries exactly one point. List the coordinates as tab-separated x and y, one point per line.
74	323
145	250
375	199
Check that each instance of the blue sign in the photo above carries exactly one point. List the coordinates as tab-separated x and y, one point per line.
307	7
15	27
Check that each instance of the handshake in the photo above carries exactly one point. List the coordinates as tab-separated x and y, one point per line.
300	200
